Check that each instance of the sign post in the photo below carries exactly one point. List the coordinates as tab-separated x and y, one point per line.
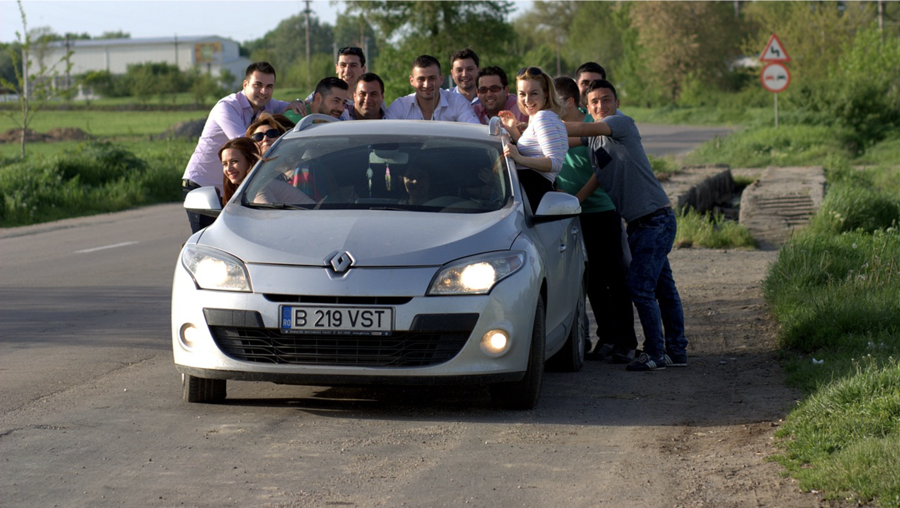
775	76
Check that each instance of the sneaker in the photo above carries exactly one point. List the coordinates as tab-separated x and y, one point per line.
676	359
622	356
645	363
601	352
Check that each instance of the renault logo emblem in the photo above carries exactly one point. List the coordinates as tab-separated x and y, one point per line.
340	261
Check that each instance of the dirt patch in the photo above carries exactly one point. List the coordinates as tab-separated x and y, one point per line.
191	129
711	425
54	134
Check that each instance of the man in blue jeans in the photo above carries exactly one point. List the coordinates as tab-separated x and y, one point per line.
621	167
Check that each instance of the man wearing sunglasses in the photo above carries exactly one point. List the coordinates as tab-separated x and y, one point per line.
229	119
494	96
429	101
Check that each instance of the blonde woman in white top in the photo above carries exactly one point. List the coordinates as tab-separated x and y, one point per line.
539	150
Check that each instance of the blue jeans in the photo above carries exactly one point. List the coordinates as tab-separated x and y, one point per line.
652	286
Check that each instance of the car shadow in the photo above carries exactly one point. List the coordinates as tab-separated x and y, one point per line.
713	390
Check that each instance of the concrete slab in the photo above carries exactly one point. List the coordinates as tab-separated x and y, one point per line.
780	201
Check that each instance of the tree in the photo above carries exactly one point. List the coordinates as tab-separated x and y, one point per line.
33	89
682	38
286	45
813	33
596	34
356	31
545	28
118	34
407	29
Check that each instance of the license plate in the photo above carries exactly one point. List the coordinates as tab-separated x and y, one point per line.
330	319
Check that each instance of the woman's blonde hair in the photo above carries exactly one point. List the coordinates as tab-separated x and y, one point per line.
537	74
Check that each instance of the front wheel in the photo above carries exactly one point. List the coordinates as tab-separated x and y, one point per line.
196	389
524	393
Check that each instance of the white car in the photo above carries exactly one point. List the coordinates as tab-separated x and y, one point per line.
387	252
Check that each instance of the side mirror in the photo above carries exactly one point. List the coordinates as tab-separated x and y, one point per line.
557	205
204	201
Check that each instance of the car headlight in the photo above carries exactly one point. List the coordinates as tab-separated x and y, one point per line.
214	269
477	275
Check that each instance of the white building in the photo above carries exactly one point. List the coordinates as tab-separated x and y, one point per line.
209	53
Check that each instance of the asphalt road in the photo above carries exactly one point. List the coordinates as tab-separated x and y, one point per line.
91	411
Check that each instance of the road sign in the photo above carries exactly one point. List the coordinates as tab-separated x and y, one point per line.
774	51
775	77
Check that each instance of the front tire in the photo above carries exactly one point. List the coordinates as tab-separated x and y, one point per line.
195	389
523	394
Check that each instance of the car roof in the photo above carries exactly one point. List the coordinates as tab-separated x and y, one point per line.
397	128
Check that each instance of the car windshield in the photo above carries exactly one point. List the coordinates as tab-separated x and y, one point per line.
361	172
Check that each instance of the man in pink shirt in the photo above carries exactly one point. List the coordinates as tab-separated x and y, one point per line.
229	119
494	96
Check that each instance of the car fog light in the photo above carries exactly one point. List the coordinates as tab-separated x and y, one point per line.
495	343
189	335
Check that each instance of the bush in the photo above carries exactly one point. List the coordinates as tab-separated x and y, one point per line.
91	178
97	163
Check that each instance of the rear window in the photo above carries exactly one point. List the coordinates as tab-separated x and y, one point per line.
417	174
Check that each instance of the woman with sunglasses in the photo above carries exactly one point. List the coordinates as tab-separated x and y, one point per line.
264	131
238	156
540	150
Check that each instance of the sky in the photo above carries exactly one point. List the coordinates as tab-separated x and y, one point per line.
163	18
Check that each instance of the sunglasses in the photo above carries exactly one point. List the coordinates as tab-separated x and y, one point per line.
534	72
492	89
271	133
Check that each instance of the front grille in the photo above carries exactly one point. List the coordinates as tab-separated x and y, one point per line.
339	300
403	349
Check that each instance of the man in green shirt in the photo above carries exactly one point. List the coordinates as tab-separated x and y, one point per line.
603	238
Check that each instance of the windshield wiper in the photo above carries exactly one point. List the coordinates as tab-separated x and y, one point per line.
276	206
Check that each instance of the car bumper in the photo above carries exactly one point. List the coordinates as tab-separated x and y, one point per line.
237	335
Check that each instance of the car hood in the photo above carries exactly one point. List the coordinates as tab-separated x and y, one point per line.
374	238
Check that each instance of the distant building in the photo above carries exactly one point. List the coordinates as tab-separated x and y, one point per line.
209	53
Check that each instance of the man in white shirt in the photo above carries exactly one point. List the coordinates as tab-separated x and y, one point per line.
464	71
429	101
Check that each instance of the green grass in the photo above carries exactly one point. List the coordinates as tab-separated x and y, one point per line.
835	292
788	145
845	438
106	124
712	231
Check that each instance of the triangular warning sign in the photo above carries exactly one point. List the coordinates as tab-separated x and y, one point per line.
774	51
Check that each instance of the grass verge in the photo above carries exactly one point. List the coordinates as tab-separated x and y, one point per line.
834	290
90	178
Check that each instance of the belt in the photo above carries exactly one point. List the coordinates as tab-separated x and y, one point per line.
189	184
646	218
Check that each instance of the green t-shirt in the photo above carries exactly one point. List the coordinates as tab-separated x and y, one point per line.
576	171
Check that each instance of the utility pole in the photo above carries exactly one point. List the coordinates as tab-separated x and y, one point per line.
308	11
68	62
